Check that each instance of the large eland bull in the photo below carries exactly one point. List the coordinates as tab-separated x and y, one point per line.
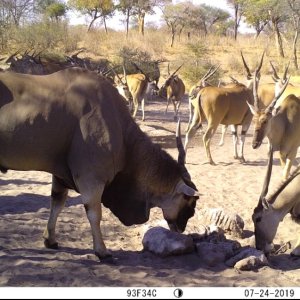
75	125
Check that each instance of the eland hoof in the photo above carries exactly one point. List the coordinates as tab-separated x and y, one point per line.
242	160
106	259
49	245
109	260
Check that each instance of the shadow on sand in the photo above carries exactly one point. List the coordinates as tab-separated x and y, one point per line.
25	203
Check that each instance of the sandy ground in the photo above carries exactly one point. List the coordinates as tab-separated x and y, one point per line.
24	210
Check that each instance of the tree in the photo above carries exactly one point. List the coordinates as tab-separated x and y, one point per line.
175	16
56	10
18	10
238	6
95	9
203	18
294	5
273	12
4	24
141	8
277	11
256	15
127	8
212	16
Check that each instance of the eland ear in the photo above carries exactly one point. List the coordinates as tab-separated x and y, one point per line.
185	189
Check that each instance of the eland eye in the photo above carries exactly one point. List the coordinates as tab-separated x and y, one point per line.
258	219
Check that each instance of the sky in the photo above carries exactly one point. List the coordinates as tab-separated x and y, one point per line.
117	24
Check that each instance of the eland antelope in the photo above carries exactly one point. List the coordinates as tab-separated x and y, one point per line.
195	89
280	124
133	89
279	83
227	106
175	90
271	210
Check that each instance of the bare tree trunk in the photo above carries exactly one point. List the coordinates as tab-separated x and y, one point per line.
179	33
205	29
104	23
91	24
278	39
173	36
95	17
236	25
127	23
295	59
259	28
141	22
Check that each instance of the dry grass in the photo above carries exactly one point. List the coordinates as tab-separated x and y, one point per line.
219	50
213	50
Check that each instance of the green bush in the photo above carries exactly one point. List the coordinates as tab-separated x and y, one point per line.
192	73
131	57
196	64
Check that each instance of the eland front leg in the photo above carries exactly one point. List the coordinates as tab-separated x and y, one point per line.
245	126
91	197
192	128
243	137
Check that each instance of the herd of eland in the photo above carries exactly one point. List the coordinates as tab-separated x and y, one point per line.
72	120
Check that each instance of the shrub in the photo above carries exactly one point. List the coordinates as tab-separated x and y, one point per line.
45	35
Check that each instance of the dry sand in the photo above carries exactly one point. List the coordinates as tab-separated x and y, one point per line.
24	210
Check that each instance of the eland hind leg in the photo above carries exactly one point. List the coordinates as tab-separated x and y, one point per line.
59	195
209	133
